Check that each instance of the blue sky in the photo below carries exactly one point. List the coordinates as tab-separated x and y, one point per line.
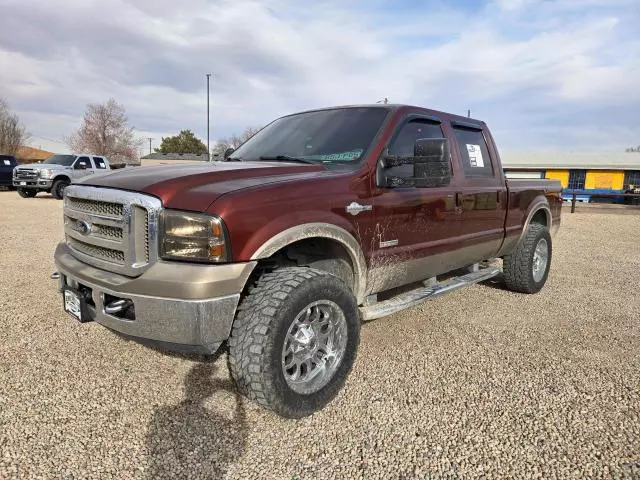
545	74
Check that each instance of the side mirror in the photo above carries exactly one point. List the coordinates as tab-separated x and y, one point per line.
228	152
81	166
431	165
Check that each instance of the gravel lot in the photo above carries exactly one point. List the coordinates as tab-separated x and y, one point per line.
482	383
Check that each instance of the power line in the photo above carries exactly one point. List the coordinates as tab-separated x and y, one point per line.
49	139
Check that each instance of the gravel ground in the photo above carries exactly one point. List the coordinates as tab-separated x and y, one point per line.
482	383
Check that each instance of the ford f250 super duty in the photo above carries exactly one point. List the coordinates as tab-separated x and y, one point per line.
322	219
56	173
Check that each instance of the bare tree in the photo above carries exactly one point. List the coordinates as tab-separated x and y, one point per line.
234	141
13	133
105	131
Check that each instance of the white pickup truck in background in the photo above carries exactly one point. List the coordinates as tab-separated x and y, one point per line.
55	173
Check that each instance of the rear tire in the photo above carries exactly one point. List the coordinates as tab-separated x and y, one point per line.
27	192
294	340
57	190
527	268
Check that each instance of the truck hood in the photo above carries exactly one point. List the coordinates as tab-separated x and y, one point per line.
41	166
196	187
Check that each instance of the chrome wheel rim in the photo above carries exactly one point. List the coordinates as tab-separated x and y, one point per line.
314	347
540	259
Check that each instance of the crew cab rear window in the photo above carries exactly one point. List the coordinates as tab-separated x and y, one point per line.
474	152
405	141
99	162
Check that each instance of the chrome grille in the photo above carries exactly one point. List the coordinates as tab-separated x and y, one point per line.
108	209
146	235
104	231
107	254
111	229
26	174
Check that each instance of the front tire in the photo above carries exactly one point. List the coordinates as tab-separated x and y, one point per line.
27	192
294	340
527	268
57	190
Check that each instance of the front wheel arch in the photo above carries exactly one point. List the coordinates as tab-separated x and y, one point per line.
59	181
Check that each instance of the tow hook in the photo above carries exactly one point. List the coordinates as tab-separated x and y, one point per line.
55	276
117	306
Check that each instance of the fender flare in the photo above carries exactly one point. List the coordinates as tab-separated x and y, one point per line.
321	230
538	204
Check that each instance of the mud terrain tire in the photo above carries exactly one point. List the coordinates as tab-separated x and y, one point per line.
278	305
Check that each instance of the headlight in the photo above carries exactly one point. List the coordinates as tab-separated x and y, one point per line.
192	236
46	173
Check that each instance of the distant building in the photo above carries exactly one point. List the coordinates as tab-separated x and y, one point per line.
31	155
172	158
591	172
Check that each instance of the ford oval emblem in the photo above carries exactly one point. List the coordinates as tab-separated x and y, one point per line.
83	227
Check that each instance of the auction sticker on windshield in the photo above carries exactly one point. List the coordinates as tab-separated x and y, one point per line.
475	155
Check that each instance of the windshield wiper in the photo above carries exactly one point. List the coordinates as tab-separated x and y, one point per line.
284	158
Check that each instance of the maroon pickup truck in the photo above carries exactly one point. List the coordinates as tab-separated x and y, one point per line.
321	220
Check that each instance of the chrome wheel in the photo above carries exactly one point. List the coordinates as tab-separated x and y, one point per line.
314	347
540	259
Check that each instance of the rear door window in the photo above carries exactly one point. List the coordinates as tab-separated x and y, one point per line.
474	153
100	163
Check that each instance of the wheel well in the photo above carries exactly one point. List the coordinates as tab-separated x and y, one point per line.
540	217
320	253
62	177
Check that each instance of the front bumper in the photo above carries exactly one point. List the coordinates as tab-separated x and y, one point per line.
39	183
183	307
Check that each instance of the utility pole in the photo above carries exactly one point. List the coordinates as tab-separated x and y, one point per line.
208	148
469	113
149	138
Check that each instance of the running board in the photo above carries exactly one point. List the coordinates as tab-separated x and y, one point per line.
422	294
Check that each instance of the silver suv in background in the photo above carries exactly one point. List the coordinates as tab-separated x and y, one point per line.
55	173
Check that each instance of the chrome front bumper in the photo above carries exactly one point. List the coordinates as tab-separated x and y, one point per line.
184	307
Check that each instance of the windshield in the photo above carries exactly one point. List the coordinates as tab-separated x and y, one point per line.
65	160
340	135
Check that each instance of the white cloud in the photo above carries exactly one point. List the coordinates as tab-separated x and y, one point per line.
535	61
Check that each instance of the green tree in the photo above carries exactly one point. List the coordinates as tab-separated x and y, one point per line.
184	142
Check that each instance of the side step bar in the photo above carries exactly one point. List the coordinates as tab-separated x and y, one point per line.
422	294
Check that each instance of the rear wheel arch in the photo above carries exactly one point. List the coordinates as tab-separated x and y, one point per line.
540	213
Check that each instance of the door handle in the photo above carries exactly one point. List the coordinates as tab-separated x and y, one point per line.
458	202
